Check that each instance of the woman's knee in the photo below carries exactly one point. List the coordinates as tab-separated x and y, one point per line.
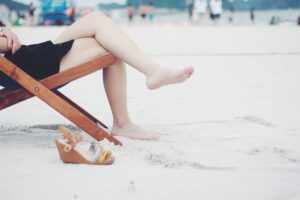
97	15
89	45
120	63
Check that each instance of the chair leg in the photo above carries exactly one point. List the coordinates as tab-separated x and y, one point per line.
61	95
59	104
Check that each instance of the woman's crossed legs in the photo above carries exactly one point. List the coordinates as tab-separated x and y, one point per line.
94	35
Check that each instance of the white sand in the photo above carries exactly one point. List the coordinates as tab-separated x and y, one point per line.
231	132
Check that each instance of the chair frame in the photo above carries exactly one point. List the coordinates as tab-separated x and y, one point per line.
45	91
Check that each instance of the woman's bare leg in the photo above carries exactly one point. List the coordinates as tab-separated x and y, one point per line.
114	78
115	85
114	40
104	36
83	50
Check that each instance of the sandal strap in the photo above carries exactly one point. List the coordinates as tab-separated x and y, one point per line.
72	138
100	156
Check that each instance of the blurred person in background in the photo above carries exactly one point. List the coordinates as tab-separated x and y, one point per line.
200	9
252	16
230	15
143	11
14	18
4	15
275	20
130	12
71	13
151	10
190	7
1	23
31	18
215	10
298	22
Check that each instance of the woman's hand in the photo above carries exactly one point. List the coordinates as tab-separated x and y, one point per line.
13	42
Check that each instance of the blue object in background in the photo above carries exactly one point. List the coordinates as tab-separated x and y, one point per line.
54	12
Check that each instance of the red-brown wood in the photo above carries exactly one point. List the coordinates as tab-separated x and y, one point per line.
11	97
61	95
61	105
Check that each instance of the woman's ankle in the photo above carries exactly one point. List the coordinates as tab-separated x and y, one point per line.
149	72
121	123
131	130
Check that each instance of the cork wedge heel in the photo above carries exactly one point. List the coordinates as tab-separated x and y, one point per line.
70	152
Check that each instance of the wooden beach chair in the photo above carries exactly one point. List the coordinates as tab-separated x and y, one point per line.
45	90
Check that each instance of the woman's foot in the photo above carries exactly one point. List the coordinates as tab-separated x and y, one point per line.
164	76
132	131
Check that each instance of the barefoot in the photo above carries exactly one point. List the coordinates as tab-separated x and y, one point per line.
132	131
165	76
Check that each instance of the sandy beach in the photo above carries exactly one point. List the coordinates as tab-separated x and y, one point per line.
230	132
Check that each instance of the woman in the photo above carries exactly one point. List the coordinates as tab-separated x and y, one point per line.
85	40
215	10
151	11
130	12
143	10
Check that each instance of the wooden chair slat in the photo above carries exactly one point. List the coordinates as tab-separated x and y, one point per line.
55	99
11	97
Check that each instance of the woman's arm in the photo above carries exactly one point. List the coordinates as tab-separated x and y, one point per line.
9	41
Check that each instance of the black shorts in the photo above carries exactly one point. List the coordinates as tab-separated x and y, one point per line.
130	17
38	60
215	16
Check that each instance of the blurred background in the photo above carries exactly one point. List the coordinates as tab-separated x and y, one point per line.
151	12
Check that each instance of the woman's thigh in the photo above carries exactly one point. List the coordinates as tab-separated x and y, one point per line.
83	50
86	26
